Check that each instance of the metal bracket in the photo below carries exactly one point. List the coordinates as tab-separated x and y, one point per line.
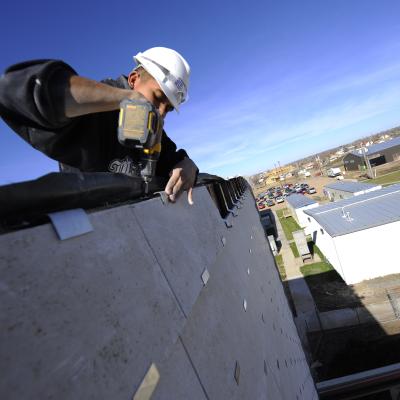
228	224
70	223
223	240
205	276
237	372
163	197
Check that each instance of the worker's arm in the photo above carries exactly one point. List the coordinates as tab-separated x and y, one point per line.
49	93
82	96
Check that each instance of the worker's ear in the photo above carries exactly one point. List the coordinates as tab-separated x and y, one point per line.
132	79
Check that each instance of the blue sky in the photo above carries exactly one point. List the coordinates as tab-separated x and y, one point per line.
271	81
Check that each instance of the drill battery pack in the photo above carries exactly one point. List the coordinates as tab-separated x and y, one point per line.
140	125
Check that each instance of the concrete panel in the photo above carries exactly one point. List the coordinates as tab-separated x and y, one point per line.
310	321
338	318
85	317
364	316
185	240
302	296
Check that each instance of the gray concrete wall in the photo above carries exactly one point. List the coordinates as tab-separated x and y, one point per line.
86	317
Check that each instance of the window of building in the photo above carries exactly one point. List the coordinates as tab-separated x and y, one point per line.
322	231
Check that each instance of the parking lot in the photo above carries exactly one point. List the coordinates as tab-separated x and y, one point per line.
317	182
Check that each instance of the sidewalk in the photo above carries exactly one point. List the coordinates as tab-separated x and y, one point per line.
301	295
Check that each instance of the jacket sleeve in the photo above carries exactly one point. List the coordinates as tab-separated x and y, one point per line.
28	93
31	104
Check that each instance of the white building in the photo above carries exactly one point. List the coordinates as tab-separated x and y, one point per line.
346	189
360	235
297	204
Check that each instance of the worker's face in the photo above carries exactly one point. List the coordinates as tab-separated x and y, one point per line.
151	90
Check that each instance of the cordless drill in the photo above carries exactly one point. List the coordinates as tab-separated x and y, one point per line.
140	128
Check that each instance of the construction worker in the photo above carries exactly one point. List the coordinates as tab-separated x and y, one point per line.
74	119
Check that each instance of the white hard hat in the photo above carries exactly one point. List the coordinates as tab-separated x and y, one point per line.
169	69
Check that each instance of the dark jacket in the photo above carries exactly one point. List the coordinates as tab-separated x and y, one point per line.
30	104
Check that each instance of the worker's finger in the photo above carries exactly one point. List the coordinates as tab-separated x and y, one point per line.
172	182
190	196
176	190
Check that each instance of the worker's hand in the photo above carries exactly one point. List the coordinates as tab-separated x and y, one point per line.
182	177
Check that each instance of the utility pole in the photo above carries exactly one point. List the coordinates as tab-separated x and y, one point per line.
368	164
319	162
280	172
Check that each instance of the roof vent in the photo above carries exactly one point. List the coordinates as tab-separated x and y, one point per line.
346	215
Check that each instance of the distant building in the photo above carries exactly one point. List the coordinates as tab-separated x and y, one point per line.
346	189
360	235
297	204
377	154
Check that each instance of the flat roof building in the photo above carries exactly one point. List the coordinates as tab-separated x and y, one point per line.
297	204
360	235
345	189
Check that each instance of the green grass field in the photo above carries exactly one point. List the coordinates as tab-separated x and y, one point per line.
281	267
294	249
385	180
289	225
316	268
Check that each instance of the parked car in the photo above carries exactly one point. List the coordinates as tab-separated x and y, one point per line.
279	199
270	203
311	190
261	206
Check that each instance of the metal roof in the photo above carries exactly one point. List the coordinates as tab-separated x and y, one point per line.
351	187
376	148
299	200
360	212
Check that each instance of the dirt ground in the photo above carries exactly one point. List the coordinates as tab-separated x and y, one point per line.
330	292
375	290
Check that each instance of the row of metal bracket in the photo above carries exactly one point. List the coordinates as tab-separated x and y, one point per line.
228	196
